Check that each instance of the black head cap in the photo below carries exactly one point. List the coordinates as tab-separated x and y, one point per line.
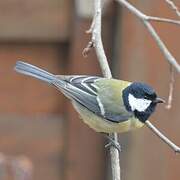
139	92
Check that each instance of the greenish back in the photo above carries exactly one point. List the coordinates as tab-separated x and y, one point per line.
110	94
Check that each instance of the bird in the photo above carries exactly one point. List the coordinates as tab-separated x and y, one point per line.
106	105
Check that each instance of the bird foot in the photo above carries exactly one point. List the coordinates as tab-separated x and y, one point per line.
112	142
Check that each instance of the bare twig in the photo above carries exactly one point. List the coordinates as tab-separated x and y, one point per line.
165	20
173	7
169	57
96	40
162	46
171	89
87	49
92	24
115	160
162	137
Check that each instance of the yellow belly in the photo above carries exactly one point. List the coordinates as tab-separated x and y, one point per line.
103	125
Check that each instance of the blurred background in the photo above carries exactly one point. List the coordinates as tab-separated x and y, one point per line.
41	136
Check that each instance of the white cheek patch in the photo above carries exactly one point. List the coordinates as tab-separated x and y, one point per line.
138	104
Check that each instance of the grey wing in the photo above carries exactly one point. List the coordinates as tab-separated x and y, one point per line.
82	90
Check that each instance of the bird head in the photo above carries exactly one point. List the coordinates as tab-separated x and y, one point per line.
141	99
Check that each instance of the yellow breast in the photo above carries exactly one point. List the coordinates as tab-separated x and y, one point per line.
102	125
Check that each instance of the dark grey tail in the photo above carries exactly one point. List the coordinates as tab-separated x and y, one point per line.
34	71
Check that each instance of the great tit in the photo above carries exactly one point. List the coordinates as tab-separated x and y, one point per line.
105	105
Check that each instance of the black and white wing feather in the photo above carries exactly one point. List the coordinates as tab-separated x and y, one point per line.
83	90
86	83
80	89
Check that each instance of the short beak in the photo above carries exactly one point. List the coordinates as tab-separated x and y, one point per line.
159	100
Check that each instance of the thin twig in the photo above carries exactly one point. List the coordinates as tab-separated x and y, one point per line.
87	49
171	89
162	46
96	40
92	24
165	20
173	7
175	148
169	57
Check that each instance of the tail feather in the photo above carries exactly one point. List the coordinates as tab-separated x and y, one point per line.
34	71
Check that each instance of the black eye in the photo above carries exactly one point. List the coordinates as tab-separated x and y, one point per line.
150	96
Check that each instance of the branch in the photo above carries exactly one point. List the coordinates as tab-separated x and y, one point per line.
163	137
173	7
165	20
96	42
171	89
145	19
